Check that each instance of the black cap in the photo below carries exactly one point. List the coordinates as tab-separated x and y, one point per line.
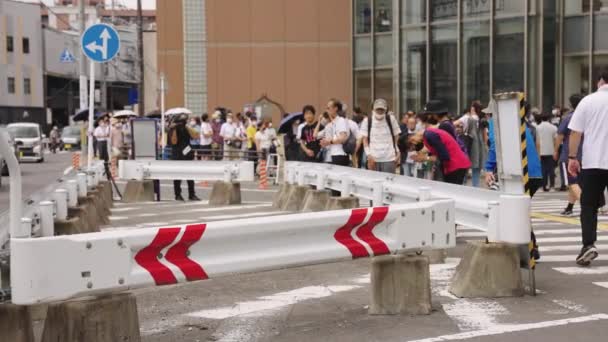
435	107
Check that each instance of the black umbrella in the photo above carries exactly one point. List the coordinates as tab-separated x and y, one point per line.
287	122
83	115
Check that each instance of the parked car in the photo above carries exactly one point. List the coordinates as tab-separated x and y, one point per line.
70	137
3	165
29	140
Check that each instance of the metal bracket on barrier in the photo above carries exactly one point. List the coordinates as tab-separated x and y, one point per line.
56	268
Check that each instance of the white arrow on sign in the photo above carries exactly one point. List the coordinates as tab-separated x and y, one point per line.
105	36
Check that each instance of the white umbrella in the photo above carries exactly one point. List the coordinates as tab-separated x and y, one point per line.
121	114
178	110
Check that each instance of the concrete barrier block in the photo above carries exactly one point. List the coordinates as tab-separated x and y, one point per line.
108	192
436	256
400	284
282	197
277	196
488	270
315	200
71	226
295	200
90	213
106	319
15	324
139	191
224	193
340	203
103	211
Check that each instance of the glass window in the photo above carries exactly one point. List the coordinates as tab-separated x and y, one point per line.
413	68
26	45
384	50
363	16
363	52
576	76
383	87
476	8
384	15
444	9
27	86
600	43
576	28
11	85
577	6
444	71
600	65
509	7
413	12
476	61
363	90
9	44
509	55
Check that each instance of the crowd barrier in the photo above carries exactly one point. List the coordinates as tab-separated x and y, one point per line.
227	171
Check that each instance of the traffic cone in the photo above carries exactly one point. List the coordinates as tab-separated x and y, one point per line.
114	167
263	176
76	160
203	184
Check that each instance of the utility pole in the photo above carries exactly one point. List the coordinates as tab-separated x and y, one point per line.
103	94
140	51
82	61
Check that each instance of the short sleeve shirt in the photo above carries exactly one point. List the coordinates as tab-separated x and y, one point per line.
591	119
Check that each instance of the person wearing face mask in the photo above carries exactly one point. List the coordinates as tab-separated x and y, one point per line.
380	135
229	133
217	143
474	141
206	140
335	134
195	125
441	146
102	135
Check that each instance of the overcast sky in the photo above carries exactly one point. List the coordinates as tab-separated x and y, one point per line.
147	4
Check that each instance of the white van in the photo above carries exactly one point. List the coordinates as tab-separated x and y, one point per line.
28	138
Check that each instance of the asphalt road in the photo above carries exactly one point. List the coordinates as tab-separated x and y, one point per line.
36	176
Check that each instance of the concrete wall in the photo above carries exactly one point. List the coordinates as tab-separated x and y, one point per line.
21	20
296	52
170	49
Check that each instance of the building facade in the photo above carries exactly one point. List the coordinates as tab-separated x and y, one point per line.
410	51
21	81
231	53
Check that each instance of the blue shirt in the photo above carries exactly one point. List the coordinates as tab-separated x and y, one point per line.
534	170
565	131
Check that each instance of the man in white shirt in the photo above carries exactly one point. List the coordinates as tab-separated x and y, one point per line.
380	137
546	134
590	119
335	134
102	134
229	133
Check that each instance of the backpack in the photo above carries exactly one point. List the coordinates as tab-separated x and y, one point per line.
351	143
390	127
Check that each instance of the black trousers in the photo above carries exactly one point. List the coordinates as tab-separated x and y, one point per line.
340	160
456	177
177	188
548	168
103	150
593	183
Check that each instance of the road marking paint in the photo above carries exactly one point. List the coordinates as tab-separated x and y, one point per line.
511	328
471	315
570	305
576	239
602	284
117	218
570	248
573	221
565	258
582	270
272	302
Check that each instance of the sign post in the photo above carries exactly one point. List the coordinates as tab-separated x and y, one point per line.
100	43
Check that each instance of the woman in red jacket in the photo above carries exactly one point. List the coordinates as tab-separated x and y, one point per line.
440	145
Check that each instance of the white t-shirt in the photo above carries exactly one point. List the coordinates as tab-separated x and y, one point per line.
206	129
228	131
102	133
331	132
381	144
264	138
591	119
546	133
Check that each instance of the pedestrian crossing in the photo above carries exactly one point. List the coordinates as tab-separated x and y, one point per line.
559	239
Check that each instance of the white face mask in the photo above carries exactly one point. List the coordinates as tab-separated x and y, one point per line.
192	123
229	120
555	112
379	116
270	125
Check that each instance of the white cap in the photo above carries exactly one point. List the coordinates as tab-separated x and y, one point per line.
380	104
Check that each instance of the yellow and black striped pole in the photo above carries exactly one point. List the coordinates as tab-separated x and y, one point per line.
524	163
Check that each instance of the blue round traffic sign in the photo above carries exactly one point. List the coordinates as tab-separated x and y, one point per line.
100	42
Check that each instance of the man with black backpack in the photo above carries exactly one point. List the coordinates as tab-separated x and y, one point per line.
380	134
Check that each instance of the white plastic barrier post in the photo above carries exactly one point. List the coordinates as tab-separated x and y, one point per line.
62	267
72	188
61	202
91	179
25	229
47	224
82	184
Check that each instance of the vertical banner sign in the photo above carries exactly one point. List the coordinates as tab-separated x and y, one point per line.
524	163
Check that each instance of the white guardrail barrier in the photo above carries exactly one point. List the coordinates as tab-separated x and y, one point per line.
56	268
35	216
227	171
505	217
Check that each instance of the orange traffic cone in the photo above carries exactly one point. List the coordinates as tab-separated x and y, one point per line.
263	176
